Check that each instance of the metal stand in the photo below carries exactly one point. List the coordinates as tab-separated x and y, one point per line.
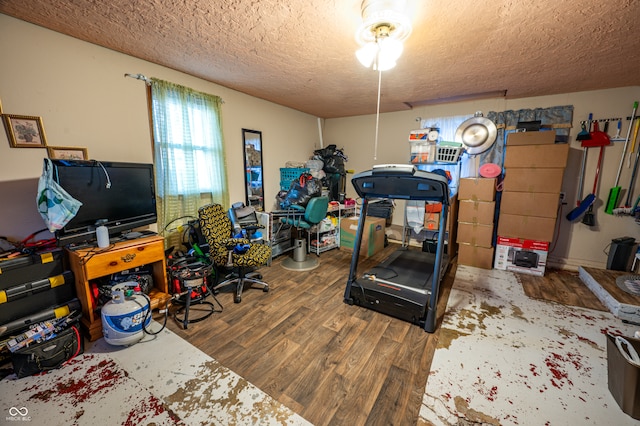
300	261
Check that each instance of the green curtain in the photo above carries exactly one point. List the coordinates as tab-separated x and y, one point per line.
189	155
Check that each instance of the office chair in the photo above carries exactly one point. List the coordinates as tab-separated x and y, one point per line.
244	221
304	218
225	251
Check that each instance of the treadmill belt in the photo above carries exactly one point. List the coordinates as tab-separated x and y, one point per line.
407	267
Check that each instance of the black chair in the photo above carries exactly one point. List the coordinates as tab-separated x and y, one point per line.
241	255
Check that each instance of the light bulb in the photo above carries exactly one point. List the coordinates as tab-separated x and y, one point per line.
367	54
390	48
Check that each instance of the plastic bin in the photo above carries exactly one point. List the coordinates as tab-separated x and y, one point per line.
288	175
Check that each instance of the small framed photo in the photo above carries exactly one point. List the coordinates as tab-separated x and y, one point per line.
25	131
67	153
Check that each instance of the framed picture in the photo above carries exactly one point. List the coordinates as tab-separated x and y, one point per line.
67	153
25	131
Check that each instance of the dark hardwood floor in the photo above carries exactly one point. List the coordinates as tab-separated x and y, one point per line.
332	363
563	287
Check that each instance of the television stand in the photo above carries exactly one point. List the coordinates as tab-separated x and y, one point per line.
91	263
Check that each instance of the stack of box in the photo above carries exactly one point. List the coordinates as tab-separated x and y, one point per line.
475	222
534	166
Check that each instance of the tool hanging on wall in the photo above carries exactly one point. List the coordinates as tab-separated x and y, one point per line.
600	139
634	139
633	177
614	193
585	134
582	204
617	137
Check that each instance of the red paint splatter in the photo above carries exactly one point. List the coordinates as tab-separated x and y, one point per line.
589	341
98	377
612	331
557	364
492	393
533	370
151	407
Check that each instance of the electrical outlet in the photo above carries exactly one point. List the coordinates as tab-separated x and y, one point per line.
562	196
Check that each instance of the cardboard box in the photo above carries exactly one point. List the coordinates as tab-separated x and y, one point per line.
477	189
533	180
480	257
372	235
534	156
543	204
477	211
526	227
521	255
542	137
475	234
623	377
432	221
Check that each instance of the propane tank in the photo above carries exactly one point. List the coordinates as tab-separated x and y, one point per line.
124	314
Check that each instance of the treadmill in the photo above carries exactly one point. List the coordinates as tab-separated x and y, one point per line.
407	283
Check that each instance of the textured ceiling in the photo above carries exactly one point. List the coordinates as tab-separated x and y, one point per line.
300	53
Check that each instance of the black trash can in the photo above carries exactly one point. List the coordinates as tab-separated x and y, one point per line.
621	253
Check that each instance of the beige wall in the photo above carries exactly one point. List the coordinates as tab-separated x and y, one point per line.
577	244
80	91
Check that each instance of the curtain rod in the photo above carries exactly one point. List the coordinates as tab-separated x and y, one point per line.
146	80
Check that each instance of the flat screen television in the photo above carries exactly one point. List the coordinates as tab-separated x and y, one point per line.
122	194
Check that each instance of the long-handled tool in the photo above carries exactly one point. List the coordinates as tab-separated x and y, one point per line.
617	137
614	193
597	138
633	178
589	218
600	139
634	140
584	135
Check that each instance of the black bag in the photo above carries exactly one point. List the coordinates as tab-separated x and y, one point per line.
301	191
48	355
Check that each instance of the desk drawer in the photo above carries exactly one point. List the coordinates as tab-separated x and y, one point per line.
125	258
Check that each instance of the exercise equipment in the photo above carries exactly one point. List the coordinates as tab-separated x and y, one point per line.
407	283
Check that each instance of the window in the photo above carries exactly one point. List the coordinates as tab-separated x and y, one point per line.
189	154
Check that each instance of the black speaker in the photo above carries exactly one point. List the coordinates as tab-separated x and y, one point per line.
621	253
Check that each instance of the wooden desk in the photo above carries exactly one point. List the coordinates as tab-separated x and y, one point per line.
92	263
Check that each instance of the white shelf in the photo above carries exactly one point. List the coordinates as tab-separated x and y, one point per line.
329	238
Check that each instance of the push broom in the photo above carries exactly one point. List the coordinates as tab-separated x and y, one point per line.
614	193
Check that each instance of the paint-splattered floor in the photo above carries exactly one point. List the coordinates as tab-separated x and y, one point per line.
161	381
503	358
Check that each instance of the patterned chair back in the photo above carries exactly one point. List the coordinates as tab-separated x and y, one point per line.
217	229
215	226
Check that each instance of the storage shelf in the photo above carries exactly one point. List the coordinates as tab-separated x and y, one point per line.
338	211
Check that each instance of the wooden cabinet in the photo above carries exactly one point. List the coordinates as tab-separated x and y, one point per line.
92	263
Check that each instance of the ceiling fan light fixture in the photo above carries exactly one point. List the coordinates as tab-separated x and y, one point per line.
382	32
367	54
381	54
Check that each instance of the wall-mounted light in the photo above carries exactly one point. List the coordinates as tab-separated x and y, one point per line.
382	32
